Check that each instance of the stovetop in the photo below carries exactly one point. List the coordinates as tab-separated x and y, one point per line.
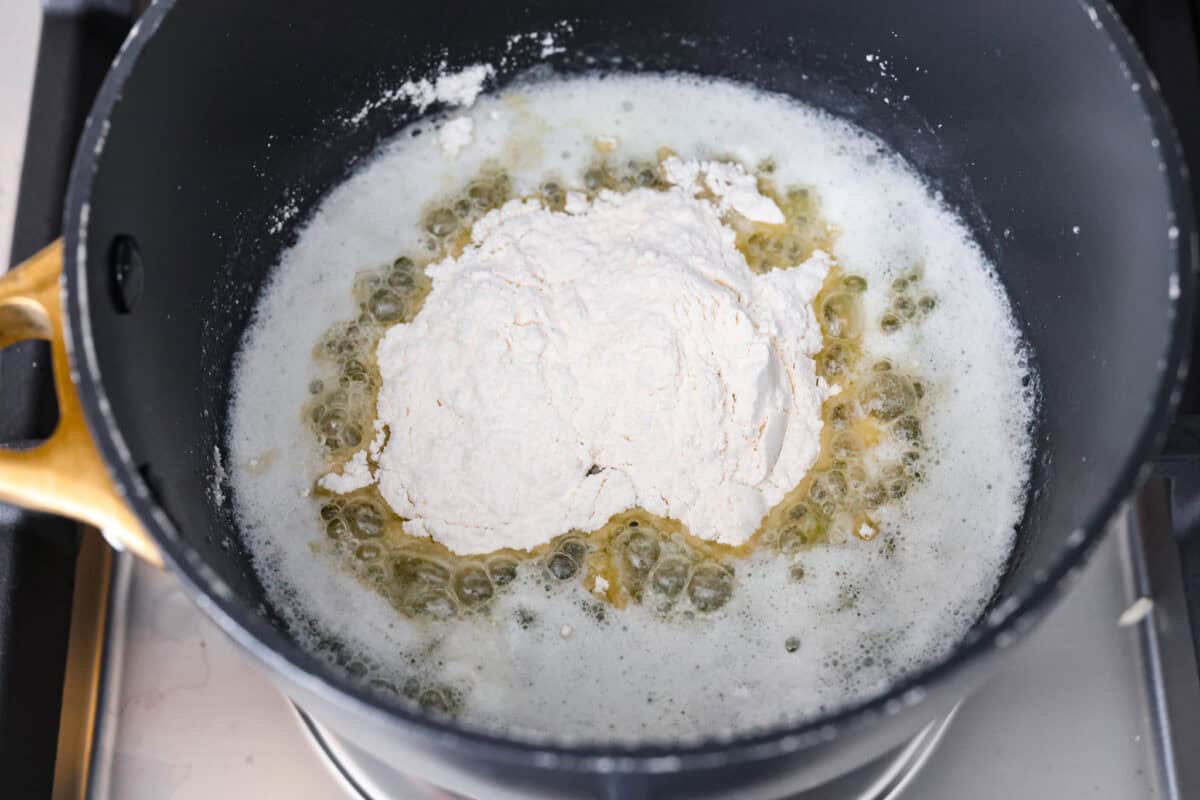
1087	707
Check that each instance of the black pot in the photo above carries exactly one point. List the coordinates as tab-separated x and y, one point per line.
1037	120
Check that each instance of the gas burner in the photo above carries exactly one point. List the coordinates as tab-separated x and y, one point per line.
368	778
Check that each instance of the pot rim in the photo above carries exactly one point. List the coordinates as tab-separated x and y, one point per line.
1026	604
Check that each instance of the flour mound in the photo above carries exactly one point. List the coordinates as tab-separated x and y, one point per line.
567	367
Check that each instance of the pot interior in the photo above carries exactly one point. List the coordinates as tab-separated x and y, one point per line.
1022	114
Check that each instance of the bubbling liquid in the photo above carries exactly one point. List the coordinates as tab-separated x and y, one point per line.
635	556
876	563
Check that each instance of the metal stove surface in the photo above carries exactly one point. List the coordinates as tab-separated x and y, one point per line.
885	777
1082	710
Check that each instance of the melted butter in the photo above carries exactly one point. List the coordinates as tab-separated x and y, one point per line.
635	556
768	247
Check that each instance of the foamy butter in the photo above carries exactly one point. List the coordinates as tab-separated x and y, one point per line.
781	649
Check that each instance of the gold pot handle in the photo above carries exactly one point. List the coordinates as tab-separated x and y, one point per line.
64	475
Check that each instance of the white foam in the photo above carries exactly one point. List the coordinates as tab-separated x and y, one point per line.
456	134
863	613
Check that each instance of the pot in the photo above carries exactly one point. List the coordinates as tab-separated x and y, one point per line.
1037	121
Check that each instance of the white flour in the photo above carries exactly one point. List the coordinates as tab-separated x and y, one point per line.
620	356
864	612
734	188
355	474
453	88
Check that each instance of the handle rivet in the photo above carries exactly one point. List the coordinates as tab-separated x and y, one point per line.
126	272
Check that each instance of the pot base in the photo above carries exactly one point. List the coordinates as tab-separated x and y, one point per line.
366	777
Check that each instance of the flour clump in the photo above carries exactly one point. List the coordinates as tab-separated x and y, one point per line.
453	88
567	367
